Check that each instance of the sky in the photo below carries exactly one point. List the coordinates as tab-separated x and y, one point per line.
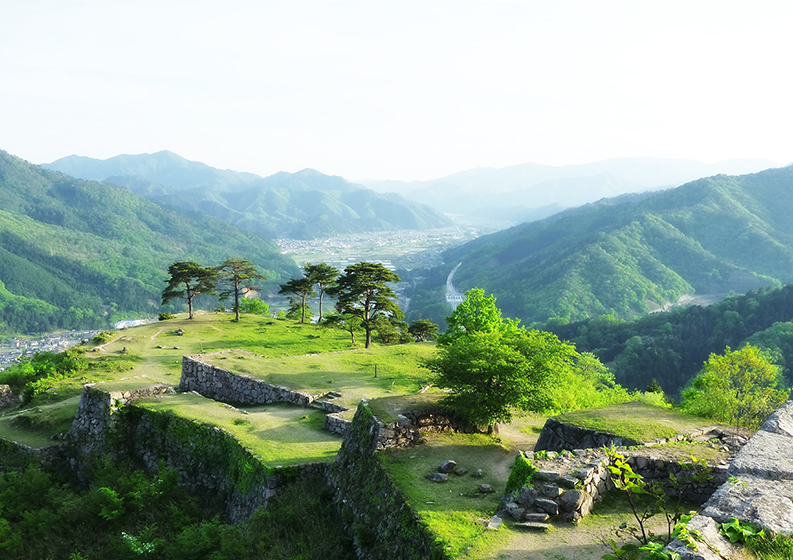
396	90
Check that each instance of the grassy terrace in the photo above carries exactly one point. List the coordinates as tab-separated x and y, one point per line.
636	420
277	434
350	373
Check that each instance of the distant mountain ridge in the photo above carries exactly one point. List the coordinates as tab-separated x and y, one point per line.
303	205
76	253
520	190
638	252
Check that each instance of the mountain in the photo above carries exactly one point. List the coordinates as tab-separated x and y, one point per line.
638	252
303	205
519	190
76	253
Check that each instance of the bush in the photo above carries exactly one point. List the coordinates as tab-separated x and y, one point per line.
166	316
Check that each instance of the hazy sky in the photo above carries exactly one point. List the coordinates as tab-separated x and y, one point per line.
396	90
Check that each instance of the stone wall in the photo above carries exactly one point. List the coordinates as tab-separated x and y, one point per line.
373	508
209	460
558	436
225	386
569	485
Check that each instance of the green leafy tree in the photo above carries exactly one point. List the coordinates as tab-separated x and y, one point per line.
423	329
237	275
254	306
741	388
323	276
476	314
298	290
363	291
344	321
492	374
187	280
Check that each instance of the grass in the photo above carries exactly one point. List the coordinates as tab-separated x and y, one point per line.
636	420
36	426
455	511
350	373
278	434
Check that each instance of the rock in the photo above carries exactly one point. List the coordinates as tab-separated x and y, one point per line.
572	500
781	421
485	489
437	477
526	496
548	506
765	503
533	525
550	476
711	542
515	511
478	473
460	471
447	466
536	517
495	523
551	491
568	481
765	455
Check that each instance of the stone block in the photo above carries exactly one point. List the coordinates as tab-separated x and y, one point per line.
551	491
765	455
438	477
762	502
447	466
550	476
548	506
526	496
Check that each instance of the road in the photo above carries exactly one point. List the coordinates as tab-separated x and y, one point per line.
454	297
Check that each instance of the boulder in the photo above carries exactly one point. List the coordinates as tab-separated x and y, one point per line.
761	502
437	477
548	506
447	466
710	543
485	489
526	496
765	455
478	473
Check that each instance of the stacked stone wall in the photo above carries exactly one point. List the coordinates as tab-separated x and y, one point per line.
373	508
7	397
225	386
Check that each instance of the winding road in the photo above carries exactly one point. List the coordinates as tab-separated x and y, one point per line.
454	297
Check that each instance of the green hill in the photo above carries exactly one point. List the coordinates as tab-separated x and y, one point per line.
77	253
303	205
636	253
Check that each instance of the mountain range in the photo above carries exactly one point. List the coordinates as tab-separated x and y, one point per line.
303	205
77	253
531	191
636	253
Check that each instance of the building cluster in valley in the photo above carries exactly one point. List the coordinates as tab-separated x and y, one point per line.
14	348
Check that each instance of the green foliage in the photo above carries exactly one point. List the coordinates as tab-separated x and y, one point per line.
491	374
741	388
187	280
735	531
322	275
298	290
81	254
237	277
32	375
521	474
362	291
625	256
671	346
166	316
423	329
104	337
476	314
647	500
254	306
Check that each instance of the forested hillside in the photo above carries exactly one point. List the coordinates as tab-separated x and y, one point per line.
671	347
77	253
303	205
635	253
